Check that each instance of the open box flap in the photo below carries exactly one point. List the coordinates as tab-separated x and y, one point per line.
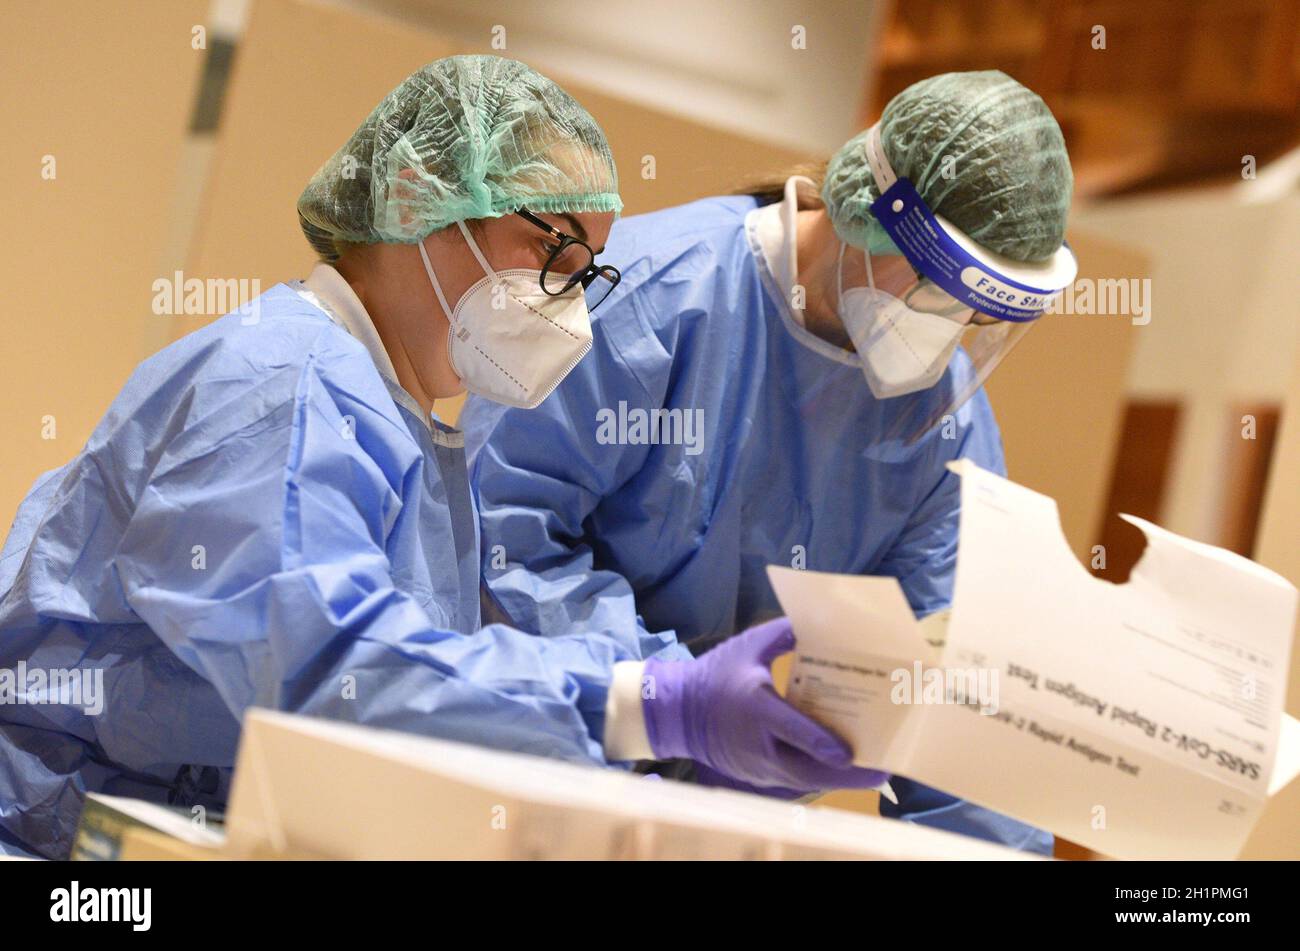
1196	622
1164	541
1152	710
822	601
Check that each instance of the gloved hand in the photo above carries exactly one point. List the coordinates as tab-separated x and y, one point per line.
721	710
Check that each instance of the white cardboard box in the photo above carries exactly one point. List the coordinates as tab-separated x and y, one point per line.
306	787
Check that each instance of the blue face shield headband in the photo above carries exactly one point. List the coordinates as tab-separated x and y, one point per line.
987	282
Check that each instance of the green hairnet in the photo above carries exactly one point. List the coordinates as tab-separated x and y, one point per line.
1008	178
464	137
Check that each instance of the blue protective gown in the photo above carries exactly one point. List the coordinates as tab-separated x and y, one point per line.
260	519
789	467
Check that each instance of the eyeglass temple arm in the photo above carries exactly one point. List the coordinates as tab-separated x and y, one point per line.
533	219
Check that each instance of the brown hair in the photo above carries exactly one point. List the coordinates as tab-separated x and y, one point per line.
769	187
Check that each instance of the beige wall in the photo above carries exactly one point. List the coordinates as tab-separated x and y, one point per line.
730	64
305	77
1225	324
106	89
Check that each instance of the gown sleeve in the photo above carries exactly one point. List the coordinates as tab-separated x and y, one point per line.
256	553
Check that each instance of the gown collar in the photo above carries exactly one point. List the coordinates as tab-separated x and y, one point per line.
327	289
342	303
771	232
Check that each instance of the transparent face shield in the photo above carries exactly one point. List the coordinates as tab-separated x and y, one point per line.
906	329
932	322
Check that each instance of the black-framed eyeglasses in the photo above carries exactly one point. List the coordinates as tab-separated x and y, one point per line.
572	262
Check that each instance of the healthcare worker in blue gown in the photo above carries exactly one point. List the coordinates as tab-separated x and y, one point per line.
271	514
773	383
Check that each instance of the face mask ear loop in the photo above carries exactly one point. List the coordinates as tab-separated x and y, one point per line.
871	277
839	279
433	279
482	261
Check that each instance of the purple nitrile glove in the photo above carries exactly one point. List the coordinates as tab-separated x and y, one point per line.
721	710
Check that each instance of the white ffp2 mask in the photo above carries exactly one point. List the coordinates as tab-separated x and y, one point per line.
901	350
508	340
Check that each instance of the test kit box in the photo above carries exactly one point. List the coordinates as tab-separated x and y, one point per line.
306	787
114	828
1142	720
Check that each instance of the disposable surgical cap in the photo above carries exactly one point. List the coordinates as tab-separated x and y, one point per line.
463	137
982	151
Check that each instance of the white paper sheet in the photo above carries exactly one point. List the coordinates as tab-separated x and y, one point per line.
1141	720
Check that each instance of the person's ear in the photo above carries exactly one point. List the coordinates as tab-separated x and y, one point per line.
406	190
